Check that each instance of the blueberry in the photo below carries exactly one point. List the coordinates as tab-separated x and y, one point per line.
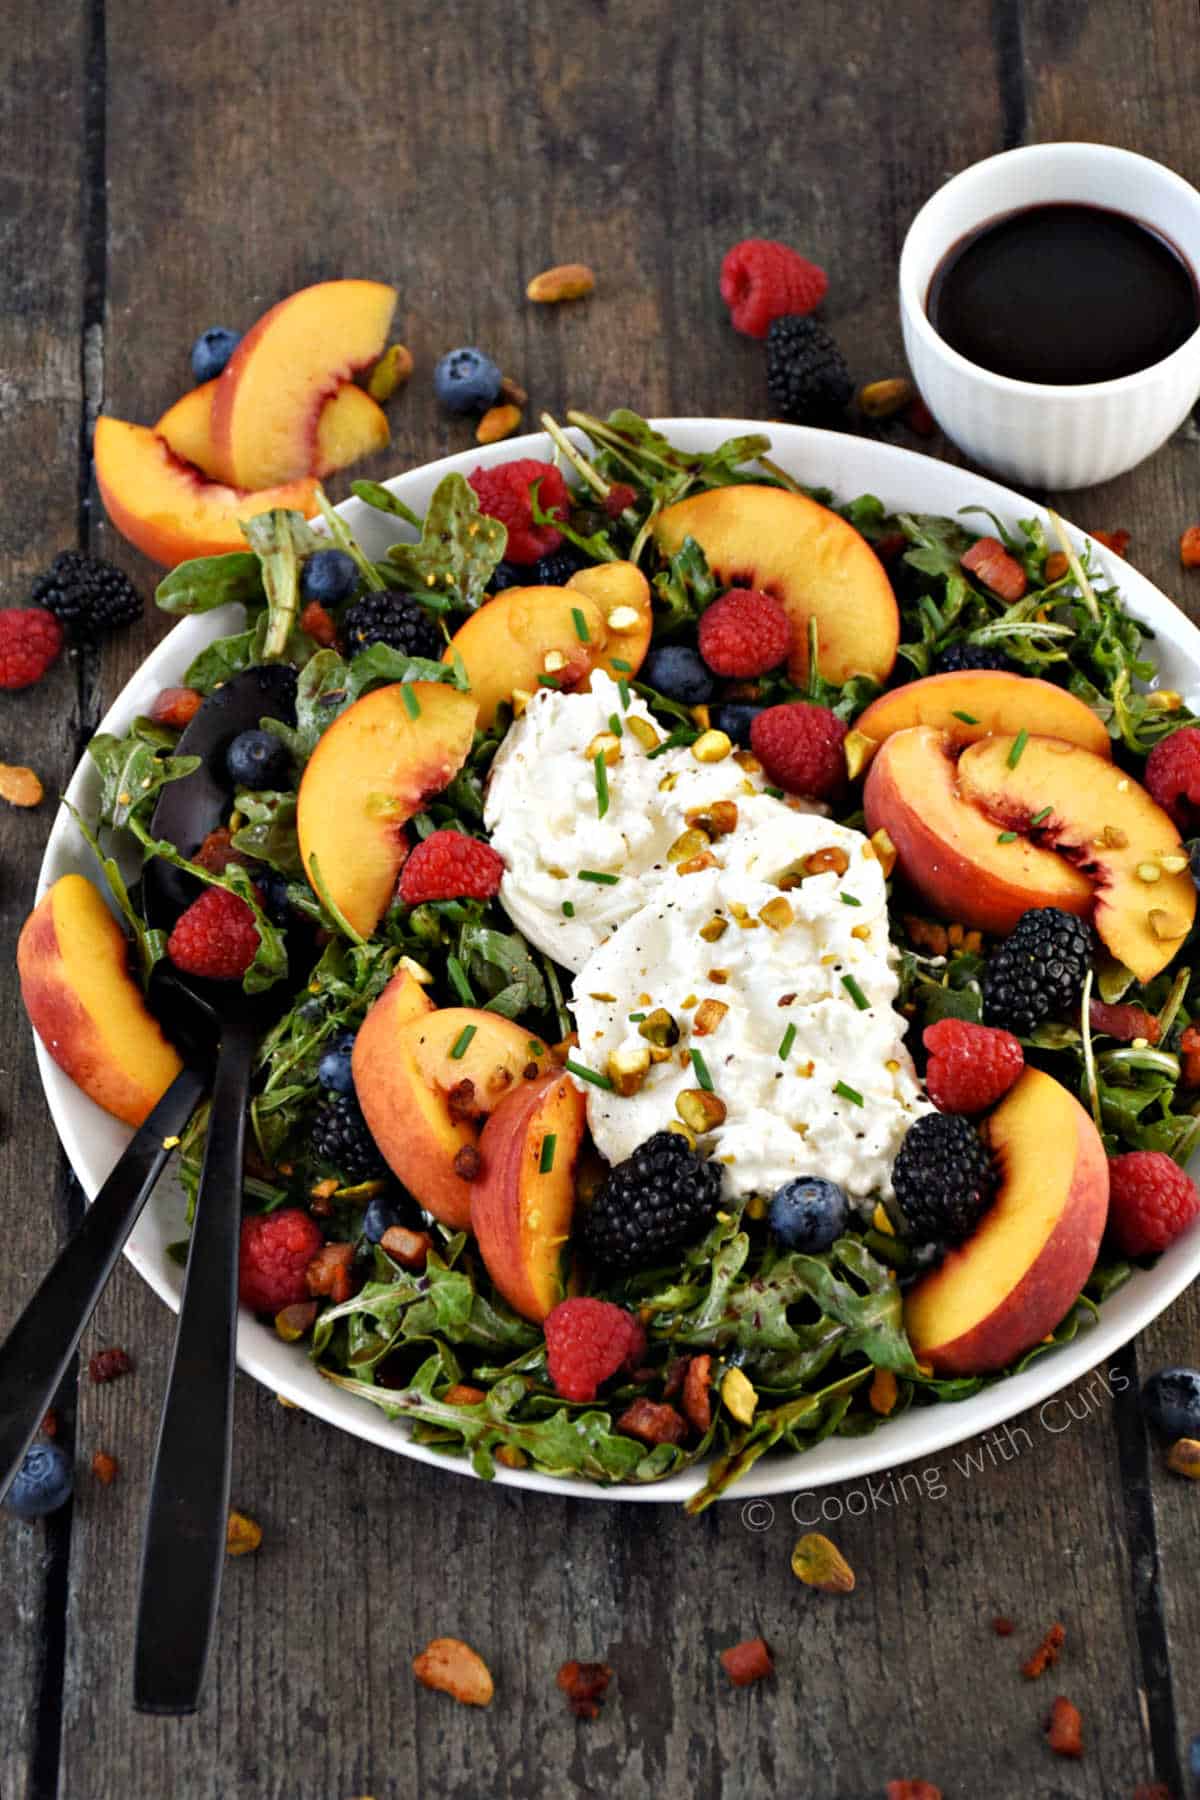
735	719
679	673
1194	1759
257	759
273	887
1171	1402
212	350
381	1214
466	381
807	1214
1194	859
42	1484
333	1070
329	576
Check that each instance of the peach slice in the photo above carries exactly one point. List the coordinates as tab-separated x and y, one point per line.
528	634
948	851
1104	824
371	771
427	1083
72	959
1017	1277
521	1205
351	425
269	396
815	563
974	703
169	511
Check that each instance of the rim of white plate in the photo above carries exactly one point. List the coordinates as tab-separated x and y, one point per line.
92	1140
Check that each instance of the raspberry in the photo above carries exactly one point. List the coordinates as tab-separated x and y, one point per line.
761	280
1151	1201
1172	776
30	641
216	937
970	1066
744	633
276	1250
586	1342
504	494
800	747
450	866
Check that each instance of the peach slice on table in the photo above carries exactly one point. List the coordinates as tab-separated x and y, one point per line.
525	636
73	963
1021	1271
269	396
350	425
426	1084
371	771
166	508
813	561
975	703
522	1203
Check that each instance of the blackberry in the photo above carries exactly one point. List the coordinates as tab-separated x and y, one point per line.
557	569
965	655
342	1140
807	377
87	596
1038	971
391	618
944	1179
506	575
661	1197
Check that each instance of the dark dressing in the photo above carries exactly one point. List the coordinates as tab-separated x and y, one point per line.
1063	293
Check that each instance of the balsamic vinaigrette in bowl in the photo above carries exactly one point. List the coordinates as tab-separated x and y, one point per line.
1064	294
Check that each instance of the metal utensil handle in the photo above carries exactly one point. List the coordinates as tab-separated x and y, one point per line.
39	1348
183	1551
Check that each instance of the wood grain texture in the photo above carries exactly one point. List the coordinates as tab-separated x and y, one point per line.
456	151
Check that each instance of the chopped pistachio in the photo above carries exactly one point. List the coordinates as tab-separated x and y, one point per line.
712	747
607	745
708	1016
777	914
628	1068
739	1396
699	1109
688	843
714	929
643	731
622	618
659	1028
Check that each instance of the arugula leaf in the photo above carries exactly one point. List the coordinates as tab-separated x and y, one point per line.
459	548
496	961
211	581
152	945
131	774
373	493
280	539
684	589
270	830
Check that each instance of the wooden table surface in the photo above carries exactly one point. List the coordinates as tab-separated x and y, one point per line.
168	166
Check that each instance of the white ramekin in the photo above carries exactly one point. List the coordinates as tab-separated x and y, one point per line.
1036	434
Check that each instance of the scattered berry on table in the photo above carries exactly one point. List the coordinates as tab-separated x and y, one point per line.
392	618
507	575
970	1066
381	1214
30	642
800	747
965	655
744	633
110	1364
1151	1201
1171	1402
216	937
762	280
329	576
466	380
1038	972
1172	777
504	493
807	377
679	672
587	1342
212	350
333	1070
342	1139
943	1179
448	865
273	889
807	1214
663	1196
42	1484
88	597
258	759
1194	1758
276	1249
176	706
735	719
557	569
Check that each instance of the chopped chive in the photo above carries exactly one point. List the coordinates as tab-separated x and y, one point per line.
568	909
786	1042
701	1068
615	725
636	1018
623	690
600	876
1018	749
600	1081
546	1160
682	734
849	900
412	705
457	977
1039	816
847	1092
1007	837
601	768
776	793
624	667
581	626
462	1042
547	681
856	994
967	718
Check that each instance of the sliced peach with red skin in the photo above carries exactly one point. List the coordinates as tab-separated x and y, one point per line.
351	425
1021	1271
522	1203
269	396
426	1084
73	963
813	561
974	703
166	508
